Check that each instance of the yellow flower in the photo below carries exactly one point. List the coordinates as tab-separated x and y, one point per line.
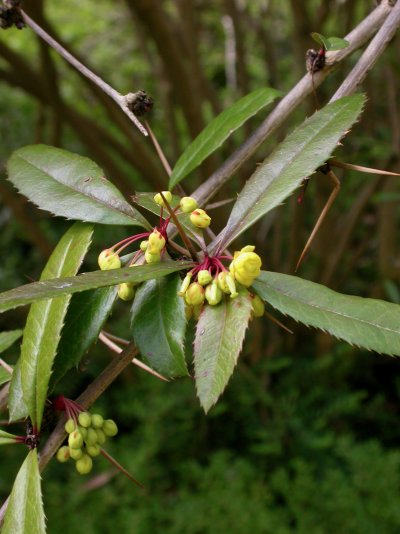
200	219
245	266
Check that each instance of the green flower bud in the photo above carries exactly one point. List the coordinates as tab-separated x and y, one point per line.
75	440
188	204
93	450
70	426
156	242
185	284
152	258
258	306
204	277
158	198
108	260
84	465
85	419
126	291
101	437
91	438
110	429
143	245
213	293
226	283
200	219
194	294
63	454
83	431
76	454
97	420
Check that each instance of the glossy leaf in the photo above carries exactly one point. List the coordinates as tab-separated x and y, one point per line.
86	316
70	186
330	43
45	321
9	338
74	284
218	130
297	157
369	323
17	408
25	512
219	338
159	325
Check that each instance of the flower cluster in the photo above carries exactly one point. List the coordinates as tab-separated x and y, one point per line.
211	280
86	434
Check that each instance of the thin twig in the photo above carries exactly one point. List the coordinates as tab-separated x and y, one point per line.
103	337
357	38
159	150
101	84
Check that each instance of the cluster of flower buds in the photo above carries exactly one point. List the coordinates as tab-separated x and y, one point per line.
87	434
211	280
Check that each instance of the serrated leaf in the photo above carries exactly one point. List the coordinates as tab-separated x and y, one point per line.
25	512
69	186
219	338
218	130
369	323
86	316
45	321
8	338
74	284
297	157
159	325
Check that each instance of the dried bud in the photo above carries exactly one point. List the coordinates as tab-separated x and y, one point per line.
188	204
204	277
108	260
200	219
159	200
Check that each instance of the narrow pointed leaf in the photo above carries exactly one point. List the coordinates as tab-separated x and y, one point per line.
45	321
369	323
297	157
25	508
218	130
5	376
218	342
159	325
8	338
86	316
70	186
74	284
17	407
4	434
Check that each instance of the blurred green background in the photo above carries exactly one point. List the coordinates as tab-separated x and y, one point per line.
306	437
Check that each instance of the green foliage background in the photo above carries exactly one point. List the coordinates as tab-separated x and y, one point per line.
306	437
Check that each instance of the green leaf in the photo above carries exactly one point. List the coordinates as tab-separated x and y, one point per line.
219	129
336	43
320	39
70	186
25	512
45	321
6	438
74	284
159	325
86	316
219	338
17	408
5	376
297	157
369	323
8	338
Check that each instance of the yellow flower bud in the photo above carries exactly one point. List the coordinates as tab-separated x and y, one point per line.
152	258
85	419
93	450
70	426
144	245
185	284
91	438
188	204
75	440
200	219
245	267
226	283
126	291
101	437
204	277
158	198
213	293
97	420
258	306
110	429
156	242
194	294
108	260
84	465
63	454
76	454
